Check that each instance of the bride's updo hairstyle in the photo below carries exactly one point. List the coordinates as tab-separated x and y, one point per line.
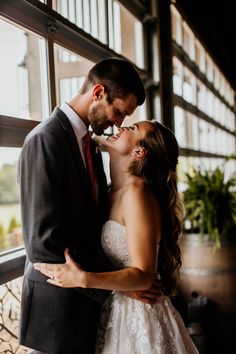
158	169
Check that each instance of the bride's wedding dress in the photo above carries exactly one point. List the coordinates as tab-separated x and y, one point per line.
131	327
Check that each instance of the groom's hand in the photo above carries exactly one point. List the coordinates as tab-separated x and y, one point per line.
149	296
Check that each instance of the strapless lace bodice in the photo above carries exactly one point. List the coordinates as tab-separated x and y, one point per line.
114	243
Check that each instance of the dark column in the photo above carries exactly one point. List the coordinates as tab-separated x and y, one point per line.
165	62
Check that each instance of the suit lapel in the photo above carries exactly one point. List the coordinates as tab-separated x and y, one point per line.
72	142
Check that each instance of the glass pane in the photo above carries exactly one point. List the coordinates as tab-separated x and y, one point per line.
222	85
189	87
180	126
203	135
139	114
182	170
177	77
23	73
188	41
209	68
10	220
125	33
210	103
71	70
216	77
200	57
230	168
90	15
193	131
212	139
176	25
231	119
201	96
157	107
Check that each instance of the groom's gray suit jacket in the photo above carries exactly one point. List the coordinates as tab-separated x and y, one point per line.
58	212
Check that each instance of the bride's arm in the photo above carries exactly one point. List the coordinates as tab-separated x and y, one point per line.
142	219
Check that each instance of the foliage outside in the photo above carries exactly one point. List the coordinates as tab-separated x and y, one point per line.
10	232
9	189
11	236
210	204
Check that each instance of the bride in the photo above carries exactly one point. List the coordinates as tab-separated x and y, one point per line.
141	239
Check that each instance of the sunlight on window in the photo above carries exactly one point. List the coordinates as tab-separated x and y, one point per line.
23	84
71	70
125	33
89	15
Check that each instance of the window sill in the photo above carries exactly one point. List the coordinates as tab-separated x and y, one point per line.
12	264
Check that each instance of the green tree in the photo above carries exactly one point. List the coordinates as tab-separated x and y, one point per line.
9	189
13	224
2	231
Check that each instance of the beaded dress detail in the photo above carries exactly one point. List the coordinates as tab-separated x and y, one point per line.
129	326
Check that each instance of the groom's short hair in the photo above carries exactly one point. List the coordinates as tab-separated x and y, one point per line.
119	78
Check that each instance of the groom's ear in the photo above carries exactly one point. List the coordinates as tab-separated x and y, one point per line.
139	152
98	92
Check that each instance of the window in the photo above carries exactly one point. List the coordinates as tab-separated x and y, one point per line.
203	135
189	86
125	33
201	96
180	126
205	115
193	131
210	102
200	57
188	41
71	70
23	72
139	114
182	170
177	77
216	77
90	15
209	68
176	26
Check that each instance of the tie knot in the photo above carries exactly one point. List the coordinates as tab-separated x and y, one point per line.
86	138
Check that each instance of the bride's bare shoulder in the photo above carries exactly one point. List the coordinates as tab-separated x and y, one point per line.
139	191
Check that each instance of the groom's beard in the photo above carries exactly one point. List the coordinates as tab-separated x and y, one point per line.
98	119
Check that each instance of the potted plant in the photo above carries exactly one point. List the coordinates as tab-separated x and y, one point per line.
210	204
209	246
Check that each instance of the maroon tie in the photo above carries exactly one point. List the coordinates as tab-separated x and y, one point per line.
89	162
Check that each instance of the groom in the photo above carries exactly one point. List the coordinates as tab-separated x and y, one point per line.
63	203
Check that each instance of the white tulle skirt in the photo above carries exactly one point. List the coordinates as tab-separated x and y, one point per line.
131	327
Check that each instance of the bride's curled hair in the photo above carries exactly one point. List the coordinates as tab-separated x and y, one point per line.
158	169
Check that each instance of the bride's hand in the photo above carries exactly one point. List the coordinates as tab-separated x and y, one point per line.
66	275
149	296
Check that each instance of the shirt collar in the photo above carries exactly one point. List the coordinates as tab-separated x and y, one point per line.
78	125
